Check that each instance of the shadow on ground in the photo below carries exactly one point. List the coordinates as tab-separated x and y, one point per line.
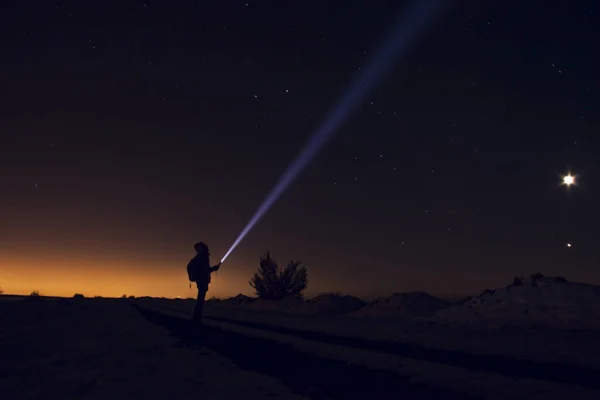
306	374
514	367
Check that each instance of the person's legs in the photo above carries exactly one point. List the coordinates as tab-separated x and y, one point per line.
199	305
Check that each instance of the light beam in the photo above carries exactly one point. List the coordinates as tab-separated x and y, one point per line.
409	26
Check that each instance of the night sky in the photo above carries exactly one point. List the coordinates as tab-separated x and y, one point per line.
129	130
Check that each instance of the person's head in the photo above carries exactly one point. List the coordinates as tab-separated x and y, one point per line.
201	248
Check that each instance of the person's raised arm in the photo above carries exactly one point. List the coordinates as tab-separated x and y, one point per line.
215	268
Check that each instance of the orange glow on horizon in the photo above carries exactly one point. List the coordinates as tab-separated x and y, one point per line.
63	278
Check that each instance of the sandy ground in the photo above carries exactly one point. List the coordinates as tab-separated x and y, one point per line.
575	346
104	349
487	363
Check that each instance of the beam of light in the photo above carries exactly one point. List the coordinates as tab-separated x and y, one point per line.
410	25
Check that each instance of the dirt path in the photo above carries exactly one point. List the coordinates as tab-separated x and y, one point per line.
517	368
306	374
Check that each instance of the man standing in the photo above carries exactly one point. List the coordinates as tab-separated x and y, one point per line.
199	271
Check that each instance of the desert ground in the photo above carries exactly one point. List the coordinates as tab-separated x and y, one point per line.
536	338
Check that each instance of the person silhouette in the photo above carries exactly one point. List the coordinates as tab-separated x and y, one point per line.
199	271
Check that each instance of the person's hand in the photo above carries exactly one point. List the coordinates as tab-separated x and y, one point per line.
218	266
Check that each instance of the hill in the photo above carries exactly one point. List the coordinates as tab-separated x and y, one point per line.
534	300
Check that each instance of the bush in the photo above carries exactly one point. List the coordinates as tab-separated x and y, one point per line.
78	296
33	296
518	281
272	282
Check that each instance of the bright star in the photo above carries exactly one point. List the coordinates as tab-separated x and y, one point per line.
568	180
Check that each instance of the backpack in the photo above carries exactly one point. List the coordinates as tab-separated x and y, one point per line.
198	271
192	270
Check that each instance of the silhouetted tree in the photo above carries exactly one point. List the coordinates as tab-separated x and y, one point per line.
272	282
35	293
78	296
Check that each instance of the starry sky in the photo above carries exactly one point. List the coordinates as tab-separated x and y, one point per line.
130	130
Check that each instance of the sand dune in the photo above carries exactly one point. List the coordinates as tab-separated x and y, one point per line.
536	300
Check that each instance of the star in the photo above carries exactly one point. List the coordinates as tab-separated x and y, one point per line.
568	180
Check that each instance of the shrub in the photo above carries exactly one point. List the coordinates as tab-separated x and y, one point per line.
33	296
272	282
78	296
518	281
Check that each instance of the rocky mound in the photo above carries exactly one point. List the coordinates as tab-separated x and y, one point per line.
240	299
535	300
413	304
333	303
